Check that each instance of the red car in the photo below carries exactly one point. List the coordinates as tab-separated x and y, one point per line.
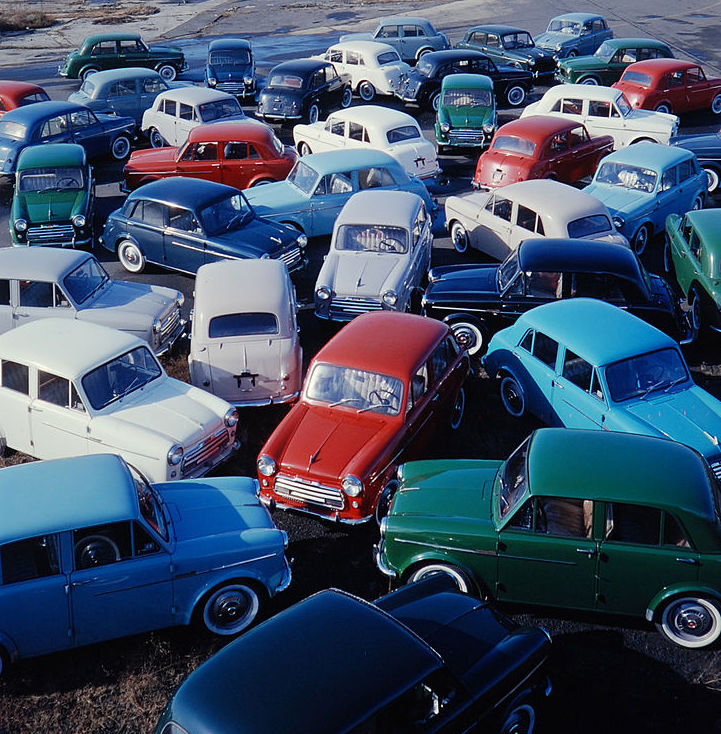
241	154
18	94
540	146
670	85
373	398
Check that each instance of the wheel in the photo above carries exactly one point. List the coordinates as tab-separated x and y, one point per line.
96	550
435	101
3	446
4	661
384	500
346	97
643	140
690	621
516	95
590	81
262	182
640	239
168	72
430	568
520	720
88	71
697	203
313	113
155	138
423	52
120	149
230	608
716	105
713	179
572	54
471	335
695	318
130	256
458	409
663	107
512	397
366	91
459	237
667	256
304	148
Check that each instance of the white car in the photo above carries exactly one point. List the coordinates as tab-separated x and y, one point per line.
69	388
176	112
374	68
605	111
371	126
244	343
379	254
497	221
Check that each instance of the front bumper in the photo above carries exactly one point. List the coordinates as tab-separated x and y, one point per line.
379	560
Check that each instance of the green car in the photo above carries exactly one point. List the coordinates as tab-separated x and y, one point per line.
610	60
466	111
54	199
586	520
120	50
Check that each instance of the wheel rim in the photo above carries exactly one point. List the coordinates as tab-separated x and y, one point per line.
347	97
121	148
367	91
89	72
667	256
385	499
696	317
436	102
459	237
313	114
591	81
520	721
512	397
572	54
156	139
516	95
167	72
231	609
663	108
716	105
640	240
691	622
435	568
130	257
713	179
468	335
697	204
458	409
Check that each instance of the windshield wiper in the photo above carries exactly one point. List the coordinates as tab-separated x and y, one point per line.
344	401
674	382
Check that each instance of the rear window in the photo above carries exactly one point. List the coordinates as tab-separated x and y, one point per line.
242	324
388	57
512	144
406	132
636	77
586	226
288	81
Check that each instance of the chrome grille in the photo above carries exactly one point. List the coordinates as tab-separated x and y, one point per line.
291	257
204	451
351	307
231	87
716	468
170	324
50	234
466	136
303	491
544	66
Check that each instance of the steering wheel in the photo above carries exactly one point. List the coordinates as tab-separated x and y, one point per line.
96	550
390	245
66	182
383	396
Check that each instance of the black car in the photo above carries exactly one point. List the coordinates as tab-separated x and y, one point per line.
423	84
230	67
478	300
426	658
707	147
303	89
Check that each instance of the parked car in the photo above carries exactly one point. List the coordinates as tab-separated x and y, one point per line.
86	539
374	68
125	92
574	34
670	85
611	58
15	94
54	198
422	86
541	146
62	122
56	283
183	223
303	89
379	255
693	246
117	50
496	221
244	344
441	657
243	153
320	184
230	67
70	387
176	112
366	406
707	148
466	113
623	525
371	126
509	45
476	301
642	184
410	36
605	111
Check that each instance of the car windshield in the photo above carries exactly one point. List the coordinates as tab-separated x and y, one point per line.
51	179
590	225
286	81
12	129
219	109
572	27
508	270
88	278
230	57
467	98
388	57
377	238
356	389
637	376
513	480
624	106
403	133
150	503
225	215
120	376
605	50
633	178
304	177
636	77
512	144
424	67
517	40
242	324
87	88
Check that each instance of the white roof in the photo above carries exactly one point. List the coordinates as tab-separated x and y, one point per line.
394	208
547	196
364	47
193	95
582	91
39	263
375	116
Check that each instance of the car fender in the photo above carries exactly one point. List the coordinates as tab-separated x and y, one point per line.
9	646
669	592
429	556
124	236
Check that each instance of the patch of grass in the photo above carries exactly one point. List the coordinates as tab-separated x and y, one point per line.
25	20
127	14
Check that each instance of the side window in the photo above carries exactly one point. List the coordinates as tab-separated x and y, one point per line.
440	359
169	107
564	516
317	80
123	89
695	75
526	218
205	152
686	170
577	370
101	545
668	179
15	376
502	208
412	31
53	389
353	57
544	284
153	85
356	131
339	183
626	523
545	349
36	294
578	136
598	109
572	106
335	56
81	119
182	219
54	126
4	292
527	341
479	38
235	151
104	48
186	112
673	533
143	542
492	41
330	73
28	559
388	31
674	79
336	127
252	152
694	244
372	178
151	213
419	385
596	388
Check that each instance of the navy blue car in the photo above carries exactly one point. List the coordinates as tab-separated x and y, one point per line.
230	67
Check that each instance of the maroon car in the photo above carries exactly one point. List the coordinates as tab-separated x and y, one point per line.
540	146
18	94
241	154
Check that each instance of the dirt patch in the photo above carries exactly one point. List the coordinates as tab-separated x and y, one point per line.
21	20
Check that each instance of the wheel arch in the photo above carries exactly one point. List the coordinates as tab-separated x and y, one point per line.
657	603
8	645
423	558
194	607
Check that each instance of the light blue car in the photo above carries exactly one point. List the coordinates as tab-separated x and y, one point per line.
89	551
320	184
574	34
643	183
583	363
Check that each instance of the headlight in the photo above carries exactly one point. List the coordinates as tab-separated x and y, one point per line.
157	325
78	221
294	106
247	80
20	225
558	47
489	129
179	300
266	466
175	455
231	418
212	81
390	298
445	127
351	485
618	222
323	293
301	241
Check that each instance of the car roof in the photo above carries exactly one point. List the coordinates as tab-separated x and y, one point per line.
464	81
56	495
184	191
582	91
228	43
499	29
379	207
32	113
15	88
370	47
655	156
451	54
707	222
231	130
210	698
537	128
538	193
384	117
52	154
194	95
110	37
39	263
402	19
300	66
658	67
581	17
331	161
109	76
634	42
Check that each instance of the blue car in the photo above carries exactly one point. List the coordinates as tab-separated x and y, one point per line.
574	34
183	223
642	184
230	67
62	122
320	184
89	551
583	363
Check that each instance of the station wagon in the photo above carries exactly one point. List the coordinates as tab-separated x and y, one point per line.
18	94
466	113
574	34
230	67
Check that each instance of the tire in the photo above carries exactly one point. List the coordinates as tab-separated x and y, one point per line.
155	138
130	256
690	621
716	105
96	550
643	140
516	95
4	661
430	568
471	335
668	266
423	52
3	446
230	608
697	203
346	97
572	54
120	149
435	101
640	239
459	237
262	182
458	410
713	179
168	72
590	81
384	500
366	91
520	719
313	113
695	312
512	396
88	72
663	107
304	148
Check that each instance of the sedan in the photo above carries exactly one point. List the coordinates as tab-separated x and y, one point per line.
18	94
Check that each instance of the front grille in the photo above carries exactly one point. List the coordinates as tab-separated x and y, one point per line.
545	66
169	327
350	307
231	87
51	234
204	451
302	490
292	258
466	136
716	468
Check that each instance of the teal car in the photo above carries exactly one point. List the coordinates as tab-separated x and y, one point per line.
601	522
466	111
54	200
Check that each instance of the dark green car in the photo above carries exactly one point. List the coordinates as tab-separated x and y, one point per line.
120	50
586	520
54	198
466	113
610	60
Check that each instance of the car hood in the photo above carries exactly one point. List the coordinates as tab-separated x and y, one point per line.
115	122
551	40
56	206
469	116
460	282
367	274
258	236
275	197
229	71
619	199
706	144
152	158
133	298
582	63
166	50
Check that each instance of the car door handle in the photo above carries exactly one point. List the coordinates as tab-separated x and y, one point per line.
689	561
82	583
556	383
590	552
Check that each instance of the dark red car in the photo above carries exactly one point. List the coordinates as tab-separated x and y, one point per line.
18	94
241	154
373	398
540	146
670	85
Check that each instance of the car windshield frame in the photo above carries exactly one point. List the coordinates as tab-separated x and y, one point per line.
641	374
470	97
606	51
627	176
43	177
85	280
150	504
508	271
513	481
304	177
225	215
233	57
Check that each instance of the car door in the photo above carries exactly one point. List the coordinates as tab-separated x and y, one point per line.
493	231
580	159
56	130
185	121
239	163
673	89
184	242
200	160
685	243
617	65
145	224
601	117
15	401
164	120
667	198
124	98
88	132
698	94
538	353
39	299
333	88
7	297
331	193
132	52
576	395
333	135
